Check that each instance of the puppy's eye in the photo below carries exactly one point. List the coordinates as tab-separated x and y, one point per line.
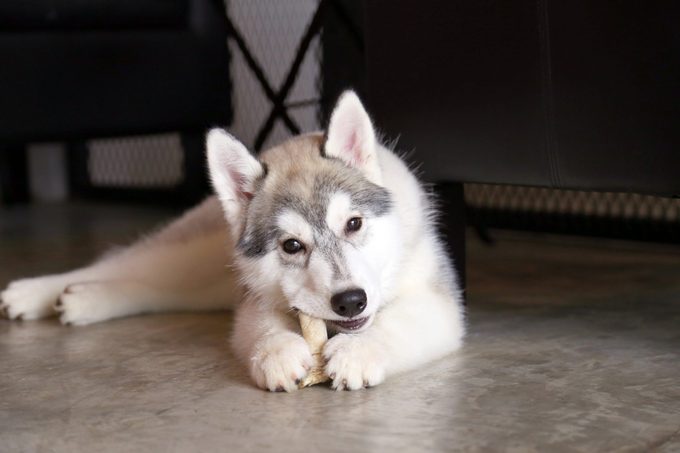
353	224
292	246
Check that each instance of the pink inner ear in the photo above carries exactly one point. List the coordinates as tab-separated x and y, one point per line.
354	148
239	180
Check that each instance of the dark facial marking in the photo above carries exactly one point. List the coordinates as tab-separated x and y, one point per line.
256	241
260	234
366	196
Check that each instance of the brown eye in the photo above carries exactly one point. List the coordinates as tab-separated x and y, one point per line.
292	246
353	224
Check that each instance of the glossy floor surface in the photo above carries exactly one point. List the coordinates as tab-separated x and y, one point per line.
573	345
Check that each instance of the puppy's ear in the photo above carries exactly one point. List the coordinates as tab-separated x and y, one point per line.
232	172
351	137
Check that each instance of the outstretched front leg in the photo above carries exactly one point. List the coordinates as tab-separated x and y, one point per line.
93	295
35	298
416	328
96	301
182	267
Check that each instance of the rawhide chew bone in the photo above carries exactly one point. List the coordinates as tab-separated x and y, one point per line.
315	334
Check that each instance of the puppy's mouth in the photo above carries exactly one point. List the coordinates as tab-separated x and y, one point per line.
351	325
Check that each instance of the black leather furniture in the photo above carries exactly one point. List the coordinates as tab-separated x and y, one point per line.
77	69
574	94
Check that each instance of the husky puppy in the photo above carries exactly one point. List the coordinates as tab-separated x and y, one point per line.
335	226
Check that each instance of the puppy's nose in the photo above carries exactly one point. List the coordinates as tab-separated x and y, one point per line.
349	303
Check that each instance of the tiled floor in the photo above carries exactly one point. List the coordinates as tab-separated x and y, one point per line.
574	345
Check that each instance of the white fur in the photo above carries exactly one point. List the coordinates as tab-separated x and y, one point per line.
232	170
414	306
351	137
295	226
338	211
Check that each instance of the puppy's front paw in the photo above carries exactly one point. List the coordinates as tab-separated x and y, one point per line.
30	298
280	362
354	361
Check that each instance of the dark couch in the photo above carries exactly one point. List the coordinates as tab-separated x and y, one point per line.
77	69
576	95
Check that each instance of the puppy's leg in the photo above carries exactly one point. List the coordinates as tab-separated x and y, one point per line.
34	298
87	303
186	260
188	275
269	342
410	331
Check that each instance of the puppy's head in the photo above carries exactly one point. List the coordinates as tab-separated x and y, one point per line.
314	228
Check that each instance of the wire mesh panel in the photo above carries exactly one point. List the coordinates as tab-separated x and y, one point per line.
610	214
268	38
143	162
159	168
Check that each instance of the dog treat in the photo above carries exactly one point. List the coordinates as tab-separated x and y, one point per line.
315	334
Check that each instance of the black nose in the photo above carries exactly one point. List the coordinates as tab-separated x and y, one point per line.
349	303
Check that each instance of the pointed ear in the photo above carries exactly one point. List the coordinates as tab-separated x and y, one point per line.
232	172
351	137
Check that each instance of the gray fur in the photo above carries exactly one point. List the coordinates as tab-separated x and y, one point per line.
306	187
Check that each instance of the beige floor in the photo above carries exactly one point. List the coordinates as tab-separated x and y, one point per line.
574	345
